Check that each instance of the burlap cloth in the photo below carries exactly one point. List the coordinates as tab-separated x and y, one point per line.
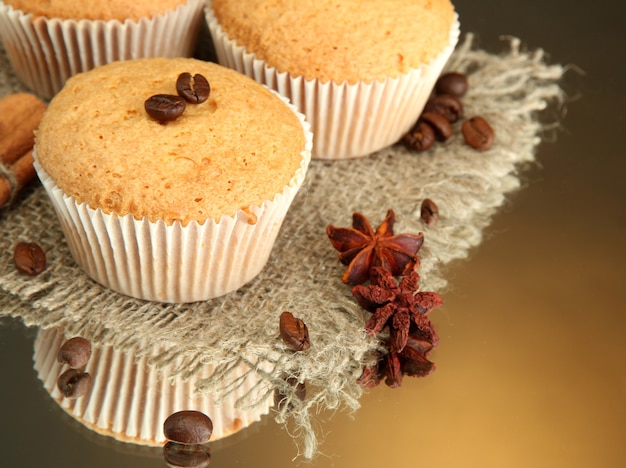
509	88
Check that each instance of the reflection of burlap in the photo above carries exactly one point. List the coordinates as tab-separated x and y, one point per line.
303	274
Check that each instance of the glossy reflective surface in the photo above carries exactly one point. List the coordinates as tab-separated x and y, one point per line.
532	361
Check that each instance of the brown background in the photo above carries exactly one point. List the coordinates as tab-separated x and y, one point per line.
532	360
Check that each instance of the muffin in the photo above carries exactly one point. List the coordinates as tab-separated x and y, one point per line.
128	399
360	70
49	41
172	211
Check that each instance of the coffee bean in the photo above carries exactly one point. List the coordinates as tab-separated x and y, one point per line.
421	137
186	456
74	383
447	105
429	212
194	89
29	258
188	427
280	399
165	107
478	133
75	352
294	332
441	125
452	83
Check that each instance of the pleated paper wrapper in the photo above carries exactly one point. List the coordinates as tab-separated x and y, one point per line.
45	52
348	120
129	400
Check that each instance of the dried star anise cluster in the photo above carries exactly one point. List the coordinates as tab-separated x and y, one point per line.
400	308
397	306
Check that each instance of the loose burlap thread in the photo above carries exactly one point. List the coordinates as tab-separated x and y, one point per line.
508	88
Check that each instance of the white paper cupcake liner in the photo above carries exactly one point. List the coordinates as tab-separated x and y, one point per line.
45	52
174	263
348	120
129	400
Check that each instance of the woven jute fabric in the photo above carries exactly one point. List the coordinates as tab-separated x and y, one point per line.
510	88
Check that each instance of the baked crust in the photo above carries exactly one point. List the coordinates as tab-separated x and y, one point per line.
339	40
95	9
238	149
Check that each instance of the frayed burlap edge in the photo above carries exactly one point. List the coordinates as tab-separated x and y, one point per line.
303	275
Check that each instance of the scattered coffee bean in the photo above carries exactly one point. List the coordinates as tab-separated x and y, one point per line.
441	125
29	258
194	89
165	107
452	83
421	137
75	352
188	427
186	456
74	383
478	133
294	332
447	105
280	399
429	212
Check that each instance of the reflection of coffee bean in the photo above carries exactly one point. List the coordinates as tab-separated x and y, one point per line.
294	332
75	352
165	107
188	427
194	89
478	133
447	105
29	258
452	83
421	137
441	125
186	456
74	383
429	212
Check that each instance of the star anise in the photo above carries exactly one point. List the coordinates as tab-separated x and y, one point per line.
399	307
412	361
362	248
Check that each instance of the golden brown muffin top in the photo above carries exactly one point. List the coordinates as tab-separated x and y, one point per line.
353	40
238	149
95	9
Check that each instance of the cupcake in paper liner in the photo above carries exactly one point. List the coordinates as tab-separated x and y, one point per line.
124	397
177	210
47	42
360	71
